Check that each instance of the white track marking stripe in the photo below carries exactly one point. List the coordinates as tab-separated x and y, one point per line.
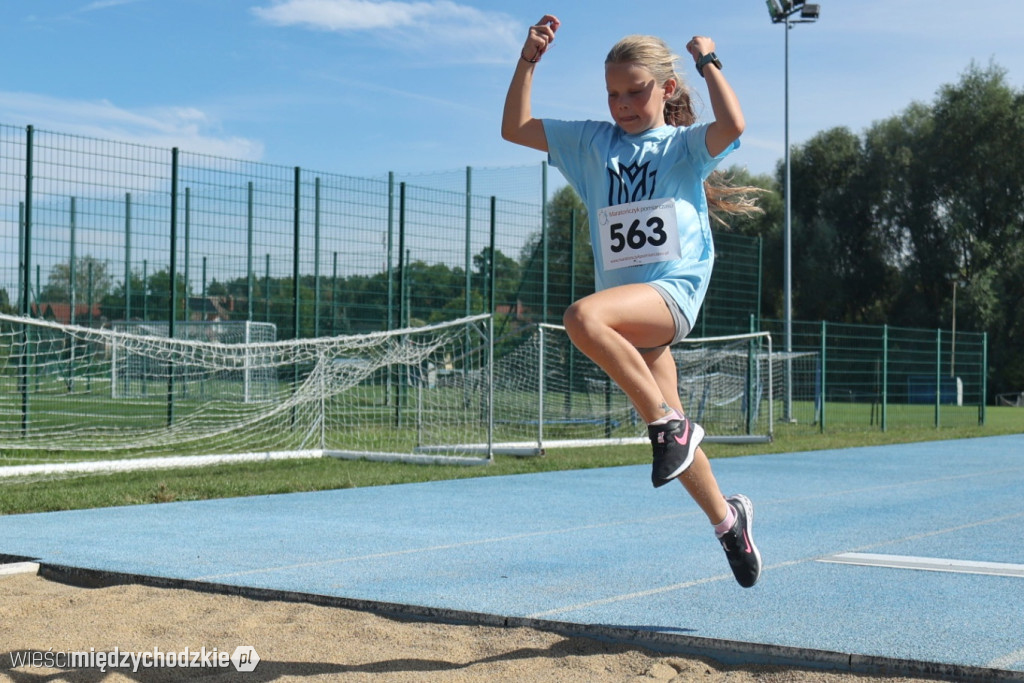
1007	661
932	564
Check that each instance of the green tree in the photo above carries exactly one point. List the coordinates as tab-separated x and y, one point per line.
978	182
885	224
507	277
568	252
90	273
842	265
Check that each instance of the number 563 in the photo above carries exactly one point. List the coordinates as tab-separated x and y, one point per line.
636	237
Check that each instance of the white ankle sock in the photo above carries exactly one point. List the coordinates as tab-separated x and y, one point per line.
674	415
726	524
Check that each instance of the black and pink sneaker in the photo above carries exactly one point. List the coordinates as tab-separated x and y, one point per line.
738	543
674	444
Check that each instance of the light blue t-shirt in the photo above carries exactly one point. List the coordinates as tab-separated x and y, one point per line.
645	197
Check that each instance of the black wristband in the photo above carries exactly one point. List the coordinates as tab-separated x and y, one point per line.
704	60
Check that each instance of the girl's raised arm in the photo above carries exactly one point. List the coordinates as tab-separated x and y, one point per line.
728	123
517	122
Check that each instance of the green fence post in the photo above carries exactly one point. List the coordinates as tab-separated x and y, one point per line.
296	243
938	374
545	238
467	342
202	292
391	242
296	223
145	293
88	302
493	274
824	375
251	275
751	397
21	251
571	356
88	292
401	253
885	377
468	255
26	305
334	296
406	293
128	257
266	288
186	313
173	280
393	379
72	294
760	277
316	257
984	378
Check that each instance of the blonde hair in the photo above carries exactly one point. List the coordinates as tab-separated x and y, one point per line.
653	54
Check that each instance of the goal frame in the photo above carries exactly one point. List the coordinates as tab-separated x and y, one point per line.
543	443
119	355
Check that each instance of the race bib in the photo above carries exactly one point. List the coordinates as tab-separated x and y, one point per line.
638	233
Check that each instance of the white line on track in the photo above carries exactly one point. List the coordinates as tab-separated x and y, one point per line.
1007	661
931	564
780	565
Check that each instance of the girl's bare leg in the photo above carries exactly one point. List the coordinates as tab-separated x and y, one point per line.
608	327
698	479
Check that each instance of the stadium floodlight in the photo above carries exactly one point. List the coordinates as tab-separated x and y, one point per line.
781	12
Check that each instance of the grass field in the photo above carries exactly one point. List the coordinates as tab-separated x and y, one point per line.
329	473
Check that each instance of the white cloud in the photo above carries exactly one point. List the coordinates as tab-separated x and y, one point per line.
449	30
104	4
187	128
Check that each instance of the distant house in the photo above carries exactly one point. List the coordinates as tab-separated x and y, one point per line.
211	307
60	312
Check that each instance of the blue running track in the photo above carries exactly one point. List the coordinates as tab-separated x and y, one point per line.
906	559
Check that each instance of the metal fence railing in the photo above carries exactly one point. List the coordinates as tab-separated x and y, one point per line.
95	231
845	376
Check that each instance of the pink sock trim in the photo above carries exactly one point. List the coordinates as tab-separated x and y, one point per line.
674	415
726	524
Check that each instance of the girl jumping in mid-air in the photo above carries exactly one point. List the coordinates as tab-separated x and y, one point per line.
642	179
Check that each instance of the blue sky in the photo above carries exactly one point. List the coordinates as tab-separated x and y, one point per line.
363	87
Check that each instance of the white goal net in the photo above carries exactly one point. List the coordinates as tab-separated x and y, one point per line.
449	392
72	393
136	375
549	394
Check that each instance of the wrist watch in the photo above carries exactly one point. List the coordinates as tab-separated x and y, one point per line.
709	58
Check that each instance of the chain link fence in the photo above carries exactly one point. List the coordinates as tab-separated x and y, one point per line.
859	377
96	231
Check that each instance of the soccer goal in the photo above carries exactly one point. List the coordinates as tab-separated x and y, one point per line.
73	393
549	394
136	375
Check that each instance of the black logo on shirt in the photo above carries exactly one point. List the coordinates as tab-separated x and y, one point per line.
630	183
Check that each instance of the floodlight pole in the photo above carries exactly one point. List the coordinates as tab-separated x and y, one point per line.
787	282
780	14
